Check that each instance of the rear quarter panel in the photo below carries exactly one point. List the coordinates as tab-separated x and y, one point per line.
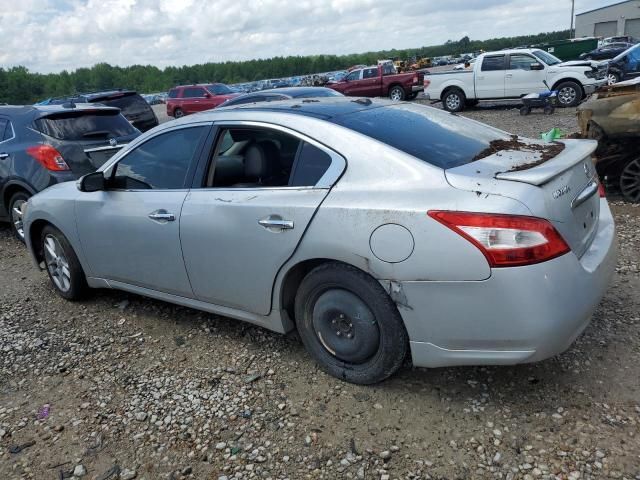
441	81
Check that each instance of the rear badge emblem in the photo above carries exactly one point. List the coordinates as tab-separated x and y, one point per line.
561	191
113	142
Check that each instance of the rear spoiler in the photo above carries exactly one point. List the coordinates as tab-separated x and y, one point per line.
77	112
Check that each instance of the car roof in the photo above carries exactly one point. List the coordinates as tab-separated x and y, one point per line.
198	85
39	111
292	92
507	51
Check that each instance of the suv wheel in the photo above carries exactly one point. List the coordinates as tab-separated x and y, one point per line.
15	208
349	324
178	113
569	94
62	264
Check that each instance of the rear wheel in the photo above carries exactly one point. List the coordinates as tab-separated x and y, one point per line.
62	264
178	113
16	203
548	110
630	181
454	100
569	94
349	324
524	110
396	94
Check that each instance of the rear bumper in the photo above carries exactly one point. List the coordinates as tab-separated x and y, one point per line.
417	88
518	315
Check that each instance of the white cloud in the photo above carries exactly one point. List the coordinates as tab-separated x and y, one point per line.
52	35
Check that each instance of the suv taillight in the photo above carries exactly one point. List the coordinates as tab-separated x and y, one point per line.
48	157
506	240
601	190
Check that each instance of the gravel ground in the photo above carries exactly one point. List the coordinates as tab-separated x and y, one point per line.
120	386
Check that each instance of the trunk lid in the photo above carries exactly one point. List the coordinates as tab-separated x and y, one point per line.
555	181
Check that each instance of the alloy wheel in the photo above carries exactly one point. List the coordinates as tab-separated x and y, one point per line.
612	79
567	95
453	102
57	263
345	326
630	181
16	217
396	95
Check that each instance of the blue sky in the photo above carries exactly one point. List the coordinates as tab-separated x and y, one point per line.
52	35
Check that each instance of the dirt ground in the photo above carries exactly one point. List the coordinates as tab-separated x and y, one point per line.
119	386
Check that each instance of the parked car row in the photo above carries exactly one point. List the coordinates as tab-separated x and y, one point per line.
327	216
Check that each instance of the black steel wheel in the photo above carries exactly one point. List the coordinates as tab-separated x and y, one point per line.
349	324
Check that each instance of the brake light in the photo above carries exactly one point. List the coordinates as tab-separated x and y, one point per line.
426	83
416	79
506	240
601	190
48	157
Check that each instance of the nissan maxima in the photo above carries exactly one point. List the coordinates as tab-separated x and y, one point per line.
378	230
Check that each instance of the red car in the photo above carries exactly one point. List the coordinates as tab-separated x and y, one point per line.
187	99
380	82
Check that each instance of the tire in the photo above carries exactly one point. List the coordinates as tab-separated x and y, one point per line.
63	267
397	94
349	325
612	78
549	110
525	111
178	113
569	94
629	181
454	100
15	213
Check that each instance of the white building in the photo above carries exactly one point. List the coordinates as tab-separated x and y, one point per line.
621	18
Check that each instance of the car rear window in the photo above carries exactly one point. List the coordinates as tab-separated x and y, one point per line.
431	135
85	125
132	106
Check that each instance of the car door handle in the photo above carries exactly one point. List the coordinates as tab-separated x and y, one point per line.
509	75
276	222
162	215
4	156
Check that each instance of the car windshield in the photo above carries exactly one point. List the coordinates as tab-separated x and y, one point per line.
85	125
429	134
621	55
547	57
219	89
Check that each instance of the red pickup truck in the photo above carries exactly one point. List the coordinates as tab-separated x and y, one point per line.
187	99
374	82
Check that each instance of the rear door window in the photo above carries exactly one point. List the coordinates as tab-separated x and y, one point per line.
490	64
193	93
85	125
311	165
369	73
9	133
3	129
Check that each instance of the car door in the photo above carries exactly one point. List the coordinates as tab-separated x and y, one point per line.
6	134
353	80
490	77
237	230
520	79
194	100
130	232
369	85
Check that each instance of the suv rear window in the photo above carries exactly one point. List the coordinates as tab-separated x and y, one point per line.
131	106
85	125
431	135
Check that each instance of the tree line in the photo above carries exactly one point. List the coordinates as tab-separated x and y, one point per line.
20	86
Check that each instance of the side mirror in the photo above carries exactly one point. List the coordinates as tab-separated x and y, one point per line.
537	66
91	182
207	95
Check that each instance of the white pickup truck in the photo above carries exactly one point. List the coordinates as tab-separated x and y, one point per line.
511	74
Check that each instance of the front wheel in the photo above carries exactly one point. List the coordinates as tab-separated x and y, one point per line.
569	94
62	264
349	324
178	113
630	181
524	111
397	94
454	100
612	78
16	203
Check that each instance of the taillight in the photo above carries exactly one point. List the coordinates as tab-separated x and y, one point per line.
426	83
416	79
506	240
601	190
48	157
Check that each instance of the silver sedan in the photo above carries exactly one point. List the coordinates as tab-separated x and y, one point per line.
377	230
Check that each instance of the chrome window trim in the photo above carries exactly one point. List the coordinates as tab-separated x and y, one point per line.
13	132
330	177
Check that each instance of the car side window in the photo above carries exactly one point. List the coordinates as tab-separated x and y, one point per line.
173	93
4	126
159	163
354	75
521	62
311	165
369	73
9	133
193	93
490	64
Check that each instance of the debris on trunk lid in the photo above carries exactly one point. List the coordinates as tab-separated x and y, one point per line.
502	147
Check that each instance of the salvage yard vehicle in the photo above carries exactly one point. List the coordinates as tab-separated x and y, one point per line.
511	74
44	145
606	52
611	117
133	106
281	94
462	245
625	66
188	99
374	82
